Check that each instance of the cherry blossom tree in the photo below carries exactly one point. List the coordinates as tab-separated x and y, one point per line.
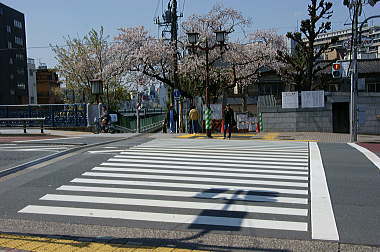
135	56
140	53
84	59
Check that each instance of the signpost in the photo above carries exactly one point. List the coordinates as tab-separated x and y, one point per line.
177	97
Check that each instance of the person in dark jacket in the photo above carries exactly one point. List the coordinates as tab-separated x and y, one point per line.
171	118
229	120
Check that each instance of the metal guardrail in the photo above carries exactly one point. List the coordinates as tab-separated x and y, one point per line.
152	127
56	115
15	122
123	129
149	121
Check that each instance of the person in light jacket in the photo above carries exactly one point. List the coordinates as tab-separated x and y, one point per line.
194	117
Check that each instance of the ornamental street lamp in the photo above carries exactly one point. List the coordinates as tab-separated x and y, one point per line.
193	40
97	88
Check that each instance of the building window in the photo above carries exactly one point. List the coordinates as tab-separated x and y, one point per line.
10	61
19	41
373	87
9	30
1	11
19	57
31	72
9	44
11	76
17	24
20	71
21	85
333	88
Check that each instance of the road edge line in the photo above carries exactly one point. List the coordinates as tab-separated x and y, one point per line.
323	225
369	154
55	155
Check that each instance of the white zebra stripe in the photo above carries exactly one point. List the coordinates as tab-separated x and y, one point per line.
189	186
269	170
200	179
242	196
203	160
228	153
201	173
226	148
126	162
168	218
227	207
214	157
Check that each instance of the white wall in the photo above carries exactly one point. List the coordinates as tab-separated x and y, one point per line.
32	82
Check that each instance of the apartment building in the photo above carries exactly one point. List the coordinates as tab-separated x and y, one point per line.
370	48
47	85
13	58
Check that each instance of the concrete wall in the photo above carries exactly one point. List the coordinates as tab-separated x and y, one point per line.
301	121
276	119
368	113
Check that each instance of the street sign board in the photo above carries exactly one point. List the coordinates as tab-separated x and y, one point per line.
176	94
313	99
289	99
346	68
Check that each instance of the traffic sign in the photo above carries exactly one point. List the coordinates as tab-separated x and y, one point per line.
176	94
345	68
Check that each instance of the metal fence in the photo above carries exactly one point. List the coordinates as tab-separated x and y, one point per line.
56	115
150	119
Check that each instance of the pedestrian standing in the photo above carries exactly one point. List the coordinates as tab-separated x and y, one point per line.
229	120
194	117
172	119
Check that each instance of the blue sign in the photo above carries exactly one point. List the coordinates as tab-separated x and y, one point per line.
176	93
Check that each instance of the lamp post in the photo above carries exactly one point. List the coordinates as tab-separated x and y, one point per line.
193	38
97	88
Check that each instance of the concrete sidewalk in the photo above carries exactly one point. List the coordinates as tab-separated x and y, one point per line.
320	137
289	136
295	136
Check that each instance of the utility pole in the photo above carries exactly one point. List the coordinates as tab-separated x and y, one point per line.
170	18
357	5
174	42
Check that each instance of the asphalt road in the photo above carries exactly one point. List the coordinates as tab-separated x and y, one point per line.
22	150
134	179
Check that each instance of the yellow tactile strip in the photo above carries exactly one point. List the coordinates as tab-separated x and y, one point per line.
268	136
218	135
46	244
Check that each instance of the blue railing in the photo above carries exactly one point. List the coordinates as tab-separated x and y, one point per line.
56	115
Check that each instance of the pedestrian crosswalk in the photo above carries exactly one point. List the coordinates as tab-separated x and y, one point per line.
254	185
36	148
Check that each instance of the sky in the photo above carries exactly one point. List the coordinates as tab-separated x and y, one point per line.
49	21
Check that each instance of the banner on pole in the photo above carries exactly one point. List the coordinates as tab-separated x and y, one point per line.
216	111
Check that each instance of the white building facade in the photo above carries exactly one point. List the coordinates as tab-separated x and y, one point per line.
32	81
